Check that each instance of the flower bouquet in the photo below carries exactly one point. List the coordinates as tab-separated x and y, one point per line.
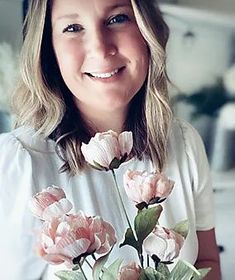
76	239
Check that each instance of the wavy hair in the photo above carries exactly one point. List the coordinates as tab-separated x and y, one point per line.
43	101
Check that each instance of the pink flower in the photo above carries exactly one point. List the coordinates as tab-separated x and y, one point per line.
73	236
50	203
130	272
164	243
105	147
147	187
104	235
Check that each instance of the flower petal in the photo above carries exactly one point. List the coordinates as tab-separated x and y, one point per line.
76	248
125	140
57	209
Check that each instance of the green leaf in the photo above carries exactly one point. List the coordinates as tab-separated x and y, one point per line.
111	273
182	228
69	275
151	274
143	276
182	271
145	221
130	240
98	266
185	271
163	269
202	273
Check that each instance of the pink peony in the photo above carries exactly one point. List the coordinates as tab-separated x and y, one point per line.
50	203
104	147
104	235
73	236
130	272
164	243
147	187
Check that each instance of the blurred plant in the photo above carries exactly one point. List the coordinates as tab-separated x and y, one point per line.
208	100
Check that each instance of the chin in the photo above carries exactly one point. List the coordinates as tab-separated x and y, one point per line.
115	104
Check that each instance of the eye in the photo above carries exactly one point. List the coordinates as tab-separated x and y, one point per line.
73	28
121	18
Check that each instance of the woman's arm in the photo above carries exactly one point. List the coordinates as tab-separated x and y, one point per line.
18	259
208	255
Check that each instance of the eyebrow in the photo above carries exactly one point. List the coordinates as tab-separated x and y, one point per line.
120	5
109	8
69	16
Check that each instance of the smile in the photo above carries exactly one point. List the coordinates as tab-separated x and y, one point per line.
104	75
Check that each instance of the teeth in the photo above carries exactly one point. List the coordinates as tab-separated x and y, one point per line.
104	75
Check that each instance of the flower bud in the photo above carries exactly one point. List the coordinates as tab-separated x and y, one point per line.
107	150
50	203
164	243
147	187
130	272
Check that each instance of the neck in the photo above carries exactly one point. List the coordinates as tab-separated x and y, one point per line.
104	121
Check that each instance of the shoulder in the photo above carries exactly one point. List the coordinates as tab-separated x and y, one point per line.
18	182
25	138
184	136
182	129
24	153
25	164
189	151
187	148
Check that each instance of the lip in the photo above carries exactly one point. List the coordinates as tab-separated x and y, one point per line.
112	78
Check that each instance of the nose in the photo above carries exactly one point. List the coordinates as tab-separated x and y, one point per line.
100	44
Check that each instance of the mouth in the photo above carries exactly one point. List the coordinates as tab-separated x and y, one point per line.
105	75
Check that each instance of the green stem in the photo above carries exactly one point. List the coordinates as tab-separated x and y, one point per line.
83	273
127	218
94	257
120	198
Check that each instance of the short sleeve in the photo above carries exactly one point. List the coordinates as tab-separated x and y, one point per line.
18	260
200	177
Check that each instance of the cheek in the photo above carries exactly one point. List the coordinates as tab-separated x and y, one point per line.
69	55
137	50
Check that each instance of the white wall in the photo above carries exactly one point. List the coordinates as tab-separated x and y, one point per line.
197	61
200	60
224	6
11	22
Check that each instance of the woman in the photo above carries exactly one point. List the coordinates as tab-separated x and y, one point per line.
90	66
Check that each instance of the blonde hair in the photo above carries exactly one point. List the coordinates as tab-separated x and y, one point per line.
36	103
158	113
43	101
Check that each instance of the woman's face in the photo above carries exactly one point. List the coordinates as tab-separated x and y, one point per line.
101	54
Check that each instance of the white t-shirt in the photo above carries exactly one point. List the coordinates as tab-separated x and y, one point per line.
28	164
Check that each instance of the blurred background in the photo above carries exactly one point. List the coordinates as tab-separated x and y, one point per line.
201	66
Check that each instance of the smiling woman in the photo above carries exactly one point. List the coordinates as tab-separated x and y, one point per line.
111	61
87	67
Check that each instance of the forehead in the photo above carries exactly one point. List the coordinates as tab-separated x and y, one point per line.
61	7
